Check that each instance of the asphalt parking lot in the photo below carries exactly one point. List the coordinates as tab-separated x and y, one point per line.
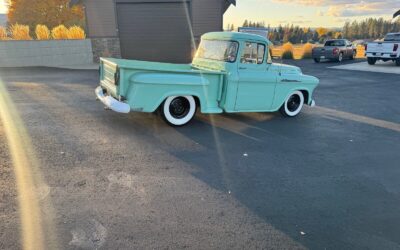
328	179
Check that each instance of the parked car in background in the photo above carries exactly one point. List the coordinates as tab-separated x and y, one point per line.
386	50
334	50
231	72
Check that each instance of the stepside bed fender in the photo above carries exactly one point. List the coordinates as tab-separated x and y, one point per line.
158	86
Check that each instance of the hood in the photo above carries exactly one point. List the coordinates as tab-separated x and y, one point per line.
287	69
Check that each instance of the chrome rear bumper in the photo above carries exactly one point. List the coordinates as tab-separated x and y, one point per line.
111	102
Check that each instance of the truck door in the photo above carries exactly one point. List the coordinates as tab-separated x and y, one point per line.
256	87
349	48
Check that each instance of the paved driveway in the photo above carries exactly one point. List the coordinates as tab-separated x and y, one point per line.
328	179
379	67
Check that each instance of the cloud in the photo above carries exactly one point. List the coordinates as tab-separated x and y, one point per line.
349	8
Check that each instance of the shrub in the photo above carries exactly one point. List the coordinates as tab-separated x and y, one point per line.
287	51
60	32
42	32
3	33
20	32
307	51
76	32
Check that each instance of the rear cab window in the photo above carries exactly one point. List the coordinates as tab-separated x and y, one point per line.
392	38
337	43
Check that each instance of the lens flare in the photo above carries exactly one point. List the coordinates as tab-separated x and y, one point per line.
27	176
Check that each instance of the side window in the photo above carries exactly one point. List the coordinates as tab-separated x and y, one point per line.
253	53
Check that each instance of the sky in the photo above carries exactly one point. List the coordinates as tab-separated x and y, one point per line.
305	13
3	8
309	13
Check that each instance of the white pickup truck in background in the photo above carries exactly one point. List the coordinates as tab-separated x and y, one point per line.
388	50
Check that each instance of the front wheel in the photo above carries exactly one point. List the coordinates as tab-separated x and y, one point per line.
353	56
178	110
398	62
317	60
293	104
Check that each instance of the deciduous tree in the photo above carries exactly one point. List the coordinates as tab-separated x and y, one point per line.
47	12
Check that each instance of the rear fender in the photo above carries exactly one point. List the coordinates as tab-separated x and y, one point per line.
160	86
177	93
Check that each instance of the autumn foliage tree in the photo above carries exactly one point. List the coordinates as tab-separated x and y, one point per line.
45	12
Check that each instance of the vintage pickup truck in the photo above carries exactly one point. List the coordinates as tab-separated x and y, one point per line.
231	72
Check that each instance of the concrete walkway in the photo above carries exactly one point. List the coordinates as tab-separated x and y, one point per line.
380	67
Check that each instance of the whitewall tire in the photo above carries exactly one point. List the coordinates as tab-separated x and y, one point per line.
293	104
178	110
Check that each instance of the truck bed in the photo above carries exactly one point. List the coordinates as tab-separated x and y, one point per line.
155	66
144	85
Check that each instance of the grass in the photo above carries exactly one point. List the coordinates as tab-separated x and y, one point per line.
3	33
42	32
303	51
20	32
76	32
60	32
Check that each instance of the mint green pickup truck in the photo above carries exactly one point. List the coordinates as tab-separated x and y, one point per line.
231	72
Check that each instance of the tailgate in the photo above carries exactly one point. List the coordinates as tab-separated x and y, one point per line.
322	51
380	47
109	76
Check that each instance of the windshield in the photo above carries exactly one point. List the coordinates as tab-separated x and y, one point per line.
392	37
224	51
335	43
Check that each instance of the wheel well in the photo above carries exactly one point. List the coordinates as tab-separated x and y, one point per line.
196	99
306	96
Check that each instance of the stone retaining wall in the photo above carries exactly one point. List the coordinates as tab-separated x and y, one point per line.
52	53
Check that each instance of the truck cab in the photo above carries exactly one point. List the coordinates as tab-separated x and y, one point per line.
231	72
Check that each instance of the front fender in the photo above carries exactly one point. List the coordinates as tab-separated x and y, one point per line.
304	83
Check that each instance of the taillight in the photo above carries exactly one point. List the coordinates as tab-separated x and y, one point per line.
116	76
335	51
395	47
366	47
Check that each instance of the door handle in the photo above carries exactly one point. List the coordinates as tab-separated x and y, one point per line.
242	68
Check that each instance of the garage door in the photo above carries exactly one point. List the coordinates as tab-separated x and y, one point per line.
154	32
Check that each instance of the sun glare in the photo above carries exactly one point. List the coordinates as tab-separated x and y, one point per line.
3	7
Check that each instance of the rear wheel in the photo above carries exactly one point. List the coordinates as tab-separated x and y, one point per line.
293	104
371	60
178	110
317	60
340	58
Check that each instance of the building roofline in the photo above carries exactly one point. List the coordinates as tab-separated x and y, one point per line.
396	14
232	2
